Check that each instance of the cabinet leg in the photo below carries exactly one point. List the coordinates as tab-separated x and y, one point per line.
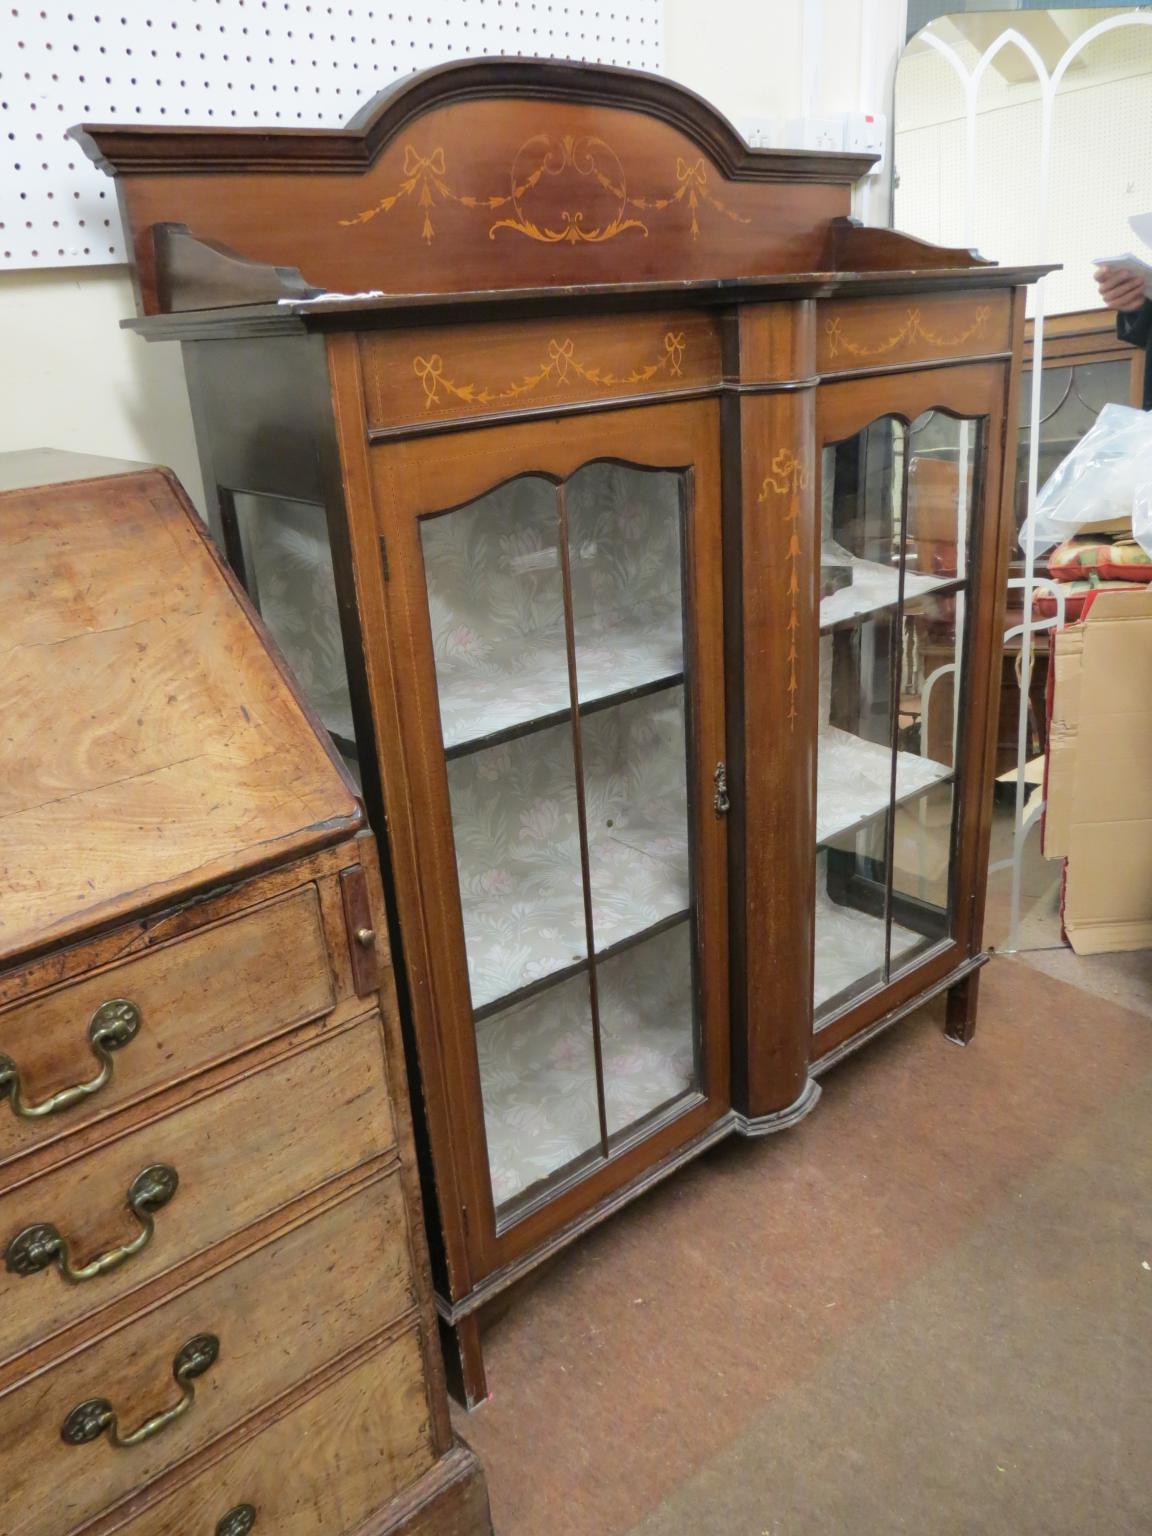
960	1009
464	1361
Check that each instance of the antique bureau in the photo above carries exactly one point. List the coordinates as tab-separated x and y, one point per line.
633	520
215	1312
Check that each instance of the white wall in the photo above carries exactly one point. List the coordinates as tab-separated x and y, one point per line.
783	59
1101	169
72	379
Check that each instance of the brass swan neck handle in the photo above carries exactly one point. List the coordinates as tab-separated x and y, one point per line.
91	1419
111	1027
40	1246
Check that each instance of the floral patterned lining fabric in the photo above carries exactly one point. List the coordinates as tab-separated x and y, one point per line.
538	1071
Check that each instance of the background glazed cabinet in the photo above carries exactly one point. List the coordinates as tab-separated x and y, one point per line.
637	536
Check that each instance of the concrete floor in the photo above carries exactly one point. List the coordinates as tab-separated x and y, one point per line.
927	1309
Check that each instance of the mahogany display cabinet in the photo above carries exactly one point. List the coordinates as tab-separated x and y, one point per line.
637	524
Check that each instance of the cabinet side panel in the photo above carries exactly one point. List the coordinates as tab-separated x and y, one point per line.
265	424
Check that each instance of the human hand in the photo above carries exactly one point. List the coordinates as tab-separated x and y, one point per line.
1119	288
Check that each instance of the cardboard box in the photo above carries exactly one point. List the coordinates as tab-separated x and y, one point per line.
1099	787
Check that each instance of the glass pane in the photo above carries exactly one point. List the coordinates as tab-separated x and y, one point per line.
647	1026
624	546
637	804
859	522
889	698
851	903
1070	401
930	698
853	795
1101	384
289	577
624	533
558	764
517	833
538	1077
496	602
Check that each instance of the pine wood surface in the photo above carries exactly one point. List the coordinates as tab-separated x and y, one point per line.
338	1096
322	1467
214	992
273	1331
151	745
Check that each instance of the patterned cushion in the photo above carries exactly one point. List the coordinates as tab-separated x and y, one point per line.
1120	559
1075	596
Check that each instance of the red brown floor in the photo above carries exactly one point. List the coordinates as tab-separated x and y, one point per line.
928	1309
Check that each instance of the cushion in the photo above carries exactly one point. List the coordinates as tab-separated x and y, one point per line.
1075	596
1108	559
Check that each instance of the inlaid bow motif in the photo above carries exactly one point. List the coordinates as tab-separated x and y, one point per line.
559	367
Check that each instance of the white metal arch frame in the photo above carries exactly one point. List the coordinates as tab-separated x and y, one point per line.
1049	83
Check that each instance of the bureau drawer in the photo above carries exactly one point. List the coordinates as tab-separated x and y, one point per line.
238	1153
201	998
323	1468
280	1314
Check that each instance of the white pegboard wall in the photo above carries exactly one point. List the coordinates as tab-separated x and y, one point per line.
236	63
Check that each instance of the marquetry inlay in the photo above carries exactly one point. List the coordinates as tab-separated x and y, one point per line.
783	483
587	161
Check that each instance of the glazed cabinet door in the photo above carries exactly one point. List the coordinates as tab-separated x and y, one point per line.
908	497
553	598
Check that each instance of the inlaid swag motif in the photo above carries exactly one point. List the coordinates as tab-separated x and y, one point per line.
909	332
590	160
559	367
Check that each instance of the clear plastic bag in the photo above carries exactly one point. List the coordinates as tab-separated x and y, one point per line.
1104	485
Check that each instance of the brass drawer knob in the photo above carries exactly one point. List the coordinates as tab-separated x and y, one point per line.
88	1421
365	937
40	1246
237	1522
111	1027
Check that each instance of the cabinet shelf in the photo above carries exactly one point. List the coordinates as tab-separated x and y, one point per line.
854	781
517	832
578	967
848	941
559	716
515	686
639	878
876	587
